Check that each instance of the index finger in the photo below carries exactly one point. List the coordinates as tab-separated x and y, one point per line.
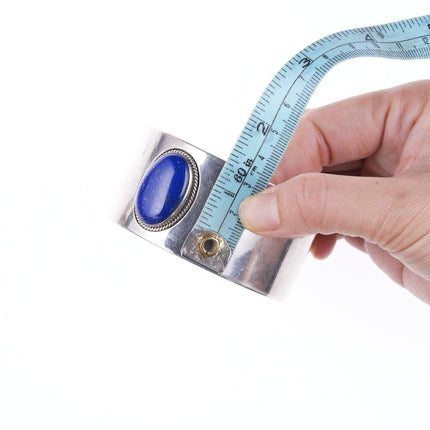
350	130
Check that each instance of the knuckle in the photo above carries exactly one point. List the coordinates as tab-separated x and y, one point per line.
384	221
404	224
311	201
408	229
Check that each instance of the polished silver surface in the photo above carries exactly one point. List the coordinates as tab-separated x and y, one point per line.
257	262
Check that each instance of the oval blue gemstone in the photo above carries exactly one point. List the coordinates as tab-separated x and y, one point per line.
163	189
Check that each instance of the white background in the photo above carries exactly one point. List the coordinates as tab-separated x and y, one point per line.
101	330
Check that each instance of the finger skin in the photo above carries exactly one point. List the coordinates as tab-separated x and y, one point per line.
381	144
372	126
323	245
393	213
398	272
319	203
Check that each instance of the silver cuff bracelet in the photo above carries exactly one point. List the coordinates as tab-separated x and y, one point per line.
166	216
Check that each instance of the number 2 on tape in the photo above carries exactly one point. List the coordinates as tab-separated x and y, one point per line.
271	125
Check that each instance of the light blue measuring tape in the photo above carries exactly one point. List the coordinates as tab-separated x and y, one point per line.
266	135
188	201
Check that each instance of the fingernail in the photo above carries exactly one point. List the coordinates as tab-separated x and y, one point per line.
260	213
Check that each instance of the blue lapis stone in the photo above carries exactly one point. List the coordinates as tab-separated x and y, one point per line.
163	189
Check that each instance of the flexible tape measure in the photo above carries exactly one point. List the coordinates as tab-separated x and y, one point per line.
188	201
269	129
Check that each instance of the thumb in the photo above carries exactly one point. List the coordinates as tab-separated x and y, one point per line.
368	207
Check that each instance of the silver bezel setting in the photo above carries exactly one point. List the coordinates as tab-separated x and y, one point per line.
189	197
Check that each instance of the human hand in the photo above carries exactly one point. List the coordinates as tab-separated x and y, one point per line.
378	145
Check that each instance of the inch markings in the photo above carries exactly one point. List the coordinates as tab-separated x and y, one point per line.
271	125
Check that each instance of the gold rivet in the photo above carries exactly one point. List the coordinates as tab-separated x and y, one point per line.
209	244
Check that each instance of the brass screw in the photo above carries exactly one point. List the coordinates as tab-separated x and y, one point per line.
209	244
